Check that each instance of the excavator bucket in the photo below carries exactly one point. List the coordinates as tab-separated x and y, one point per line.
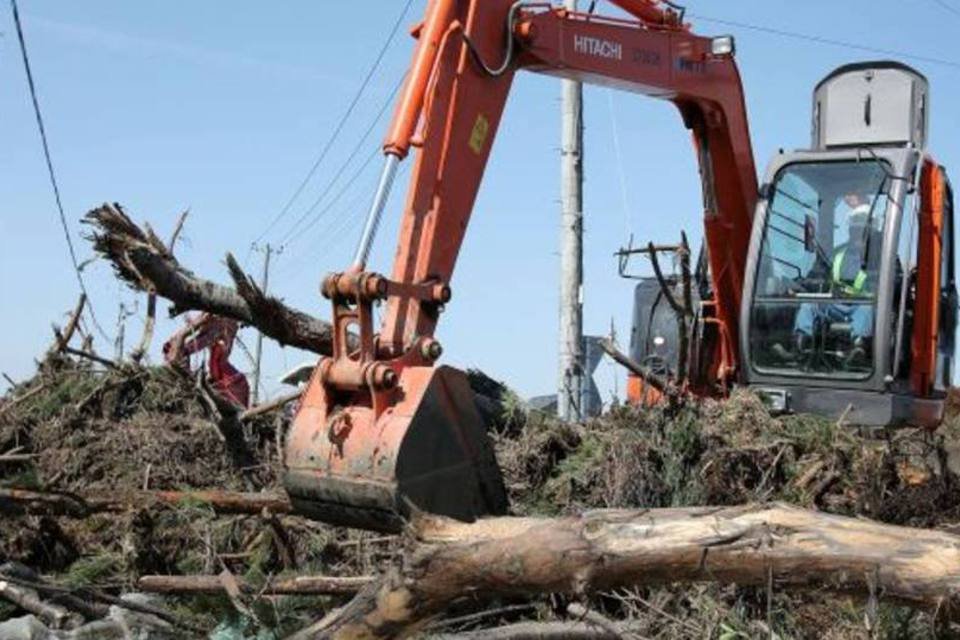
428	451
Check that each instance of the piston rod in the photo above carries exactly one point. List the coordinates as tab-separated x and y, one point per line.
376	211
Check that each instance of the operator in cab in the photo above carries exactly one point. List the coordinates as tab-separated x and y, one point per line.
854	271
851	275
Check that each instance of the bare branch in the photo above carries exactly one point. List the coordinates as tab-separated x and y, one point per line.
267	407
300	585
150	322
648	376
80	506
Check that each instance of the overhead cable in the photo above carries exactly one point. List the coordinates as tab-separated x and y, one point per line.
343	120
53	176
829	41
948	7
353	154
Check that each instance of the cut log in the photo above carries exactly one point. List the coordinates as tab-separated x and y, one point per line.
603	550
81	506
141	260
301	585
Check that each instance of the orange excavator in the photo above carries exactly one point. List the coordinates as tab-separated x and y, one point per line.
795	299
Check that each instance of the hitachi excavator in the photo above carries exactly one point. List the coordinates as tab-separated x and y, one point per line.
831	285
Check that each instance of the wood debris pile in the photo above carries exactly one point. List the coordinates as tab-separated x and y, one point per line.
132	497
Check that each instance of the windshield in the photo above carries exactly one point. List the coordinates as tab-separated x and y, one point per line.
814	301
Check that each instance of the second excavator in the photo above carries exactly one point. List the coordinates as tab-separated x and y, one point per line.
829	285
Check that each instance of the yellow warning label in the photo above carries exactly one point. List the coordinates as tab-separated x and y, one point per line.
481	128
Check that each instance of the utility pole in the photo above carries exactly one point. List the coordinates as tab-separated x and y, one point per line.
264	282
570	374
121	330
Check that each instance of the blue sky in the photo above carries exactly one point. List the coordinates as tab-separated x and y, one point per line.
223	107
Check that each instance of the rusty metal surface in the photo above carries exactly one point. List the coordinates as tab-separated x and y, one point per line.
428	449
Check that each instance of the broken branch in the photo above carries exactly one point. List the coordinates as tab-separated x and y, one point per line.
143	262
110	364
648	376
300	585
54	615
267	407
41	502
62	338
22	397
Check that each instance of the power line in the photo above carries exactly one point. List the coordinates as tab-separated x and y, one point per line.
340	225
53	177
948	7
829	41
336	198
343	121
335	233
318	245
353	154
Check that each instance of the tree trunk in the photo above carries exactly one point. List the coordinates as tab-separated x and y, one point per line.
603	550
143	261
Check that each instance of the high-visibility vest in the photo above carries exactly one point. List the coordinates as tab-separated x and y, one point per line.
859	281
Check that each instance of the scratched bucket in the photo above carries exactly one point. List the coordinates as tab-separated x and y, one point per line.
429	451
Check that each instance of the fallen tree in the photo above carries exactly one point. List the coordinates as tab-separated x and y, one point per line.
772	544
145	263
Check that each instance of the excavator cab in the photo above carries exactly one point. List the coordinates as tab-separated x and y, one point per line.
850	302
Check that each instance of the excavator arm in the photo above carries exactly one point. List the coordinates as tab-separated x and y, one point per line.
458	107
378	423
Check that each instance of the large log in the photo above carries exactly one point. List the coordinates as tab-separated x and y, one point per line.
141	260
773	544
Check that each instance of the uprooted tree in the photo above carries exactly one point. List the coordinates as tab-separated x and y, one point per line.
142	260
